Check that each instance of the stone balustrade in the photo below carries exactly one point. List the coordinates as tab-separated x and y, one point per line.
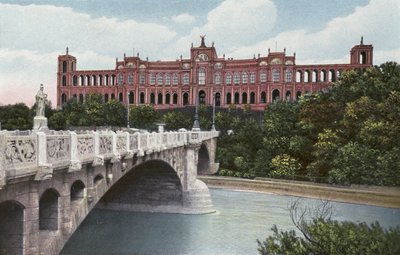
23	153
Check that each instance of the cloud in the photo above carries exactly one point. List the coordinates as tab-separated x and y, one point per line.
47	28
184	18
375	21
233	22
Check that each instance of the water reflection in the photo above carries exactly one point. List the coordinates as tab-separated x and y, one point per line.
241	218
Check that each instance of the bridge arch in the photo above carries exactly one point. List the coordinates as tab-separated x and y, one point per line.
203	162
78	190
150	186
49	210
11	227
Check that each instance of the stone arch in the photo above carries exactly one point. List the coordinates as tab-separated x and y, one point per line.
203	162
151	186
11	227
275	95
49	210
97	179
78	190
299	76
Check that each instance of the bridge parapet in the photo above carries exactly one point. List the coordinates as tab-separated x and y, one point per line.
38	153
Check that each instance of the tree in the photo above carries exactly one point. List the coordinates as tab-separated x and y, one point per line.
284	166
175	120
321	235
17	116
114	113
143	116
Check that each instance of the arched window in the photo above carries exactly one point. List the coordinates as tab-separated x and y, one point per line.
175	79
64	66
152	78
142	78
314	76
159	98
217	99
323	76
244	78
299	76
78	191
252	77
236	78
112	96
130	78
263	98
236	99
131	97
81	98
298	95
81	80
141	97
74	80
106	82
64	80
288	96
159	79
276	75
202	76
120	79
152	98
185	98
252	98
94	80
12	227
228	78
121	97
167	98
63	98
332	75
167	79
113	80
263	76
100	80
288	76
363	58
275	95
202	97
175	98
186	79
217	78
306	76
244	98
106	97
228	98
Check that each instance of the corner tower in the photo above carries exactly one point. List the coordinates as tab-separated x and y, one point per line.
361	54
66	65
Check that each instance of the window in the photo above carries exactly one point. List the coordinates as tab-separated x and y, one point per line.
236	78
131	97
74	80
159	98
252	98
252	77
202	77
130	78
228	98
263	98
152	98
159	79
120	79
236	98
228	78
186	78
175	99
152	79
263	76
244	98
141	97
168	79
185	98
64	80
175	80
275	75
217	78
167	98
142	78
64	67
202	97
244	78
288	76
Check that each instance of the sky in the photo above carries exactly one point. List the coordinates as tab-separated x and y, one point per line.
34	33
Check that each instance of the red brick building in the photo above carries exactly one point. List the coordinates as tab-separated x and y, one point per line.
256	82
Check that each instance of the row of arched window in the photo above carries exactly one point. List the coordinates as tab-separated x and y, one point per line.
172	98
330	75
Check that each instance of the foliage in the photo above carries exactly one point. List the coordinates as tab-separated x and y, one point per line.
284	166
321	235
17	116
175	120
143	116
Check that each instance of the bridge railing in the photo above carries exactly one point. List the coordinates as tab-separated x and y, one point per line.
22	153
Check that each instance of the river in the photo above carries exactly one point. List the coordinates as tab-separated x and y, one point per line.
240	219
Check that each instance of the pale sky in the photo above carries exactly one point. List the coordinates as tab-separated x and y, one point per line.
34	33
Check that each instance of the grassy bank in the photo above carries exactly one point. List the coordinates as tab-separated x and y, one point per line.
368	195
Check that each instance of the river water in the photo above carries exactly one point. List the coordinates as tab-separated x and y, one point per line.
241	219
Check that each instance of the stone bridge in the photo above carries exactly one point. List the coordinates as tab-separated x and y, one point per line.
49	182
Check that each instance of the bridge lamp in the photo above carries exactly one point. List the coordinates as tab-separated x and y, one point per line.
213	114
127	106
196	125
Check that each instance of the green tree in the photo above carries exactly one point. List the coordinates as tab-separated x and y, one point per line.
114	113
175	120
94	110
58	120
17	116
143	116
284	166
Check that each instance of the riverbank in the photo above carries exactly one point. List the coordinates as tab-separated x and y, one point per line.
367	195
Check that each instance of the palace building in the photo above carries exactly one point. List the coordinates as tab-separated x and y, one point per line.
255	82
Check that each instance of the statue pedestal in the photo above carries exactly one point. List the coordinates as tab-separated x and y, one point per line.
40	124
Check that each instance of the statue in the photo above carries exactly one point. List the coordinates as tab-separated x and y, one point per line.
40	121
41	99
202	41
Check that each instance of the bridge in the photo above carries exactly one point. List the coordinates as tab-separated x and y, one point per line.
50	181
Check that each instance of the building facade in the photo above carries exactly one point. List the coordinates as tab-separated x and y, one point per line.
253	82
